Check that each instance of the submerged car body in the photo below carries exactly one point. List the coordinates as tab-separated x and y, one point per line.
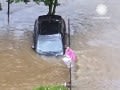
50	35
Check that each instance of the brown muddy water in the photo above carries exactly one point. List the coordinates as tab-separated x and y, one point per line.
21	68
96	41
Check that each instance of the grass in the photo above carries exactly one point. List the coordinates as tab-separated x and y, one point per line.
57	87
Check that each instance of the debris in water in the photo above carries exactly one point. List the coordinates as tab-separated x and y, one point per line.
70	57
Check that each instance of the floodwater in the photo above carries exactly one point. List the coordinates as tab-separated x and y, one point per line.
21	68
94	37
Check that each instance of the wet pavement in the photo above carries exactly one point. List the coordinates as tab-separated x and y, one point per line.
96	41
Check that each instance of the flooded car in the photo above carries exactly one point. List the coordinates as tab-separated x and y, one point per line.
49	35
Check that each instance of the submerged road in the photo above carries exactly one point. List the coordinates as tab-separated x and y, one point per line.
96	41
98	46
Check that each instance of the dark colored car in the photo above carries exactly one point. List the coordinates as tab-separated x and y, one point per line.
50	35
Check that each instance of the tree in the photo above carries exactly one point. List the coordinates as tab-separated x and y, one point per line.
50	3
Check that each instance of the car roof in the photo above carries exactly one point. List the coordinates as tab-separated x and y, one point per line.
49	17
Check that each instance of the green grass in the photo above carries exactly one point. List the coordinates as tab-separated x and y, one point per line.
57	87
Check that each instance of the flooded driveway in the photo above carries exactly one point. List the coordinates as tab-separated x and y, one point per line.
21	68
96	41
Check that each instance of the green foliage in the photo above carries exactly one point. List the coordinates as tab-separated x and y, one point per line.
50	3
59	87
11	1
46	2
